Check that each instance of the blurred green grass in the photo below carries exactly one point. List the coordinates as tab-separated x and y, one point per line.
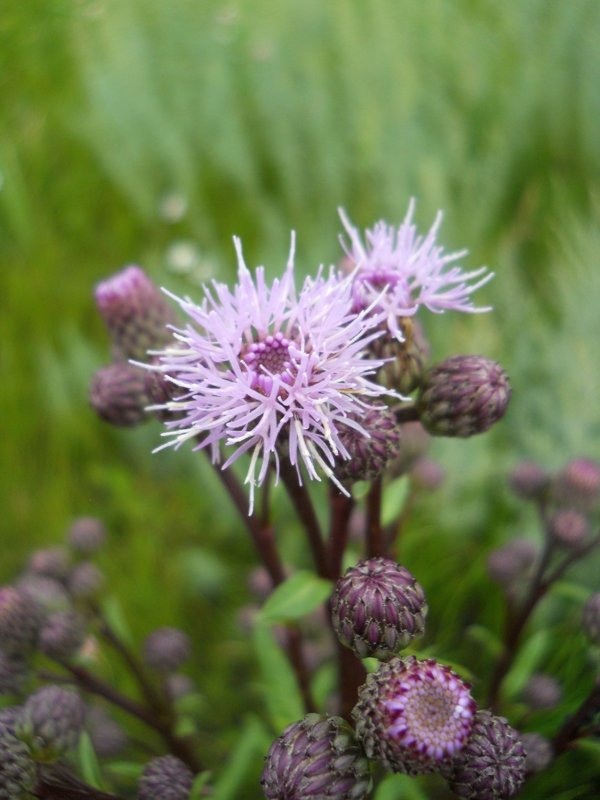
262	117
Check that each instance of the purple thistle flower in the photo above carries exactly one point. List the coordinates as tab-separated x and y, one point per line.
413	269
272	372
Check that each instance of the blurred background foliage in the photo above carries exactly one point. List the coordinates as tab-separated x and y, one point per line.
151	132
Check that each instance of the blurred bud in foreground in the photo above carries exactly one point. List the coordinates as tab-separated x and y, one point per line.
378	608
462	396
50	722
591	618
414	716
86	581
135	312
542	692
118	394
20	621
86	535
414	443
108	737
165	778
316	758
578	484
49	593
369	455
178	685
511	561
491	765
427	474
17	768
538	752
62	635
166	649
14	672
528	480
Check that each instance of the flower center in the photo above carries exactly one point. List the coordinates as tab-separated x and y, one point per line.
266	359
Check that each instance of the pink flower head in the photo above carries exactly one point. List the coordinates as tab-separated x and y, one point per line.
413	269
271	372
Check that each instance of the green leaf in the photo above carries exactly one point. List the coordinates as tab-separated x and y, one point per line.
282	696
130	770
394	498
88	762
247	753
200	782
529	656
571	591
399	787
486	638
324	683
114	615
295	597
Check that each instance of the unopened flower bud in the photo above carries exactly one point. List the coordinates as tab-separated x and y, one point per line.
316	758
53	562
47	592
378	608
8	717
108	737
369	455
491	765
86	535
51	722
17	768
462	396
86	581
591	618
405	360
178	685
414	715
62	635
166	649
20	621
542	692
427	474
14	672
511	561
538	752
528	480
118	394
568	528
165	778
578	484
136	313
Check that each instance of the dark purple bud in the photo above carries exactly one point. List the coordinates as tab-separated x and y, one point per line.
369	454
53	562
165	778
378	608
542	692
17	768
539	753
63	635
568	528
511	561
528	480
578	484
314	759
86	535
591	618
86	581
136	313
414	715
462	396
491	766
118	394
50	722
20	620
405	361
166	649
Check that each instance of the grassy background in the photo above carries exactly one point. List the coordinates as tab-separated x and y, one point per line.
260	117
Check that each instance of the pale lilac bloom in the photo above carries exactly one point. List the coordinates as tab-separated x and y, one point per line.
272	372
413	269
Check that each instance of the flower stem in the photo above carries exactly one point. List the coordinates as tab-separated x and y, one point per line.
340	512
570	730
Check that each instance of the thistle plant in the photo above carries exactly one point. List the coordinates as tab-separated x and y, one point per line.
320	389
